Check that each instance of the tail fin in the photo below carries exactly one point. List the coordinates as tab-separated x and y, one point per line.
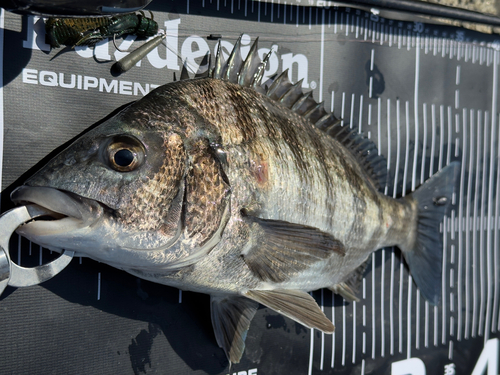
425	257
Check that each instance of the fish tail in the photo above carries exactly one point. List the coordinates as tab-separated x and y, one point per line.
424	255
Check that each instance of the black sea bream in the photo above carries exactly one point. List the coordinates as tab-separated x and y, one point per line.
250	193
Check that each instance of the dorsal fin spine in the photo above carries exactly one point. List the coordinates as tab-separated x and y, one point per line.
219	67
259	74
301	101
234	63
309	113
250	66
279	83
250	73
290	97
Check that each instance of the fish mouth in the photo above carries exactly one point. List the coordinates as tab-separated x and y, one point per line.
65	212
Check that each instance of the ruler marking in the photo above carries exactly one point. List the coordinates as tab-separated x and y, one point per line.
388	143
333	334
415	109
490	197
441	137
351	118
400	300
322	55
398	148
311	352
443	282
342	110
382	306
495	243
436	327
310	18
424	146
379	120
373	306
468	229
450	125
460	223
343	331
417	320
479	323
407	147
357	27
433	139
476	223
98	286
322	358
369	114
426	329
354	332
360	120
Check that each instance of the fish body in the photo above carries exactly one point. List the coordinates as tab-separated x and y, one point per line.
250	194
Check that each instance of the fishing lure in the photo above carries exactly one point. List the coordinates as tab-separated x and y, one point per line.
135	56
89	31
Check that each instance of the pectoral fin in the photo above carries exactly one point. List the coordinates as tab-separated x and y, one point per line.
231	317
279	249
296	305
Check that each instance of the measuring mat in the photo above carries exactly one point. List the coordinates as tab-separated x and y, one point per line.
426	95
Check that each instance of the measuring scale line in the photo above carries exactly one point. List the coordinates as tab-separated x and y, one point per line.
493	162
496	241
467	227
465	151
482	240
478	171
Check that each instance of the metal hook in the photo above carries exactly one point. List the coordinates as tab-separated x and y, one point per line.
12	273
114	42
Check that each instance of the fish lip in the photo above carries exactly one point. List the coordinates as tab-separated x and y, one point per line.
52	199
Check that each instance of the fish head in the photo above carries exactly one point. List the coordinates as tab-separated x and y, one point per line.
116	194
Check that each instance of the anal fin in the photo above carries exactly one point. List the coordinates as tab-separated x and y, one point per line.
296	305
349	288
231	317
345	291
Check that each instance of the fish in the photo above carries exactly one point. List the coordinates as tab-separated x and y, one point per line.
245	190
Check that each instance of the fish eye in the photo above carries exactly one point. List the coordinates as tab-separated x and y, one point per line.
125	154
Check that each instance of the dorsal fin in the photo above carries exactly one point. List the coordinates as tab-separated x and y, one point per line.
249	73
